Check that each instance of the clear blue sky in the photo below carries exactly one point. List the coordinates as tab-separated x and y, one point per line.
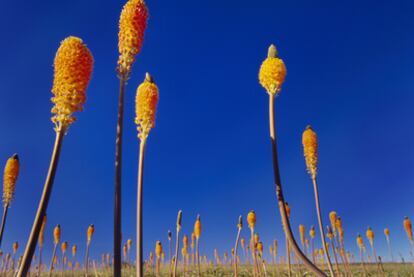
350	74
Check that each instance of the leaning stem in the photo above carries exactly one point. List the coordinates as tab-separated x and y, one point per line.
3	221
41	210
140	269
52	261
235	252
318	211
118	178
335	256
279	192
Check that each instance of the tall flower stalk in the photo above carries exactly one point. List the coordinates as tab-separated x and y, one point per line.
132	25
197	233
72	72
11	172
56	239
271	76
310	150
387	237
236	245
145	106
89	234
177	241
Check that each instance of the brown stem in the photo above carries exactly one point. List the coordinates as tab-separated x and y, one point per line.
52	261
335	256
44	201
318	211
140	269
118	178
279	192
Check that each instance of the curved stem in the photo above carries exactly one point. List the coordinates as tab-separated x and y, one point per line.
318	211
140	269
279	193
44	201
118	178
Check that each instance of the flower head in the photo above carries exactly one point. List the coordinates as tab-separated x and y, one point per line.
302	234
56	234
132	25
89	232
64	247
387	232
370	235
129	243
360	242
11	172
272	72
15	247
408	228
72	73
158	249
312	232
146	101
74	250
251	219
179	218
197	227
42	232
332	218
310	150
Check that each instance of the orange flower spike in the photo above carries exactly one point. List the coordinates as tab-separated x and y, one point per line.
125	250
256	238
260	247
329	233
132	25
72	72
387	232
129	243
56	234
302	234
251	219
360	242
42	232
158	249
185	241
243	243
370	235
197	227
15	247
11	172
272	72
408	228
89	233
64	247
74	250
332	217
146	102
310	150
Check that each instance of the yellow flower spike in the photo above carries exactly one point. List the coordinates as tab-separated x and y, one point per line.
256	238
312	232
251	219
272	72
146	101
197	227
193	239
408	228
11	172
310	150
158	249
329	233
360	242
260	247
72	72
56	234
387	232
185	241
42	232
302	234
74	250
332	217
132	25
15	247
370	235
89	233
243	243
129	243
64	247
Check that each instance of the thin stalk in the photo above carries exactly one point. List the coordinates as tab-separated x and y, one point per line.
362	261
235	251
335	256
198	259
87	259
63	264
41	210
177	245
279	192
288	258
118	178
318	211
169	256
3	221
389	249
52	261
253	251
140	269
